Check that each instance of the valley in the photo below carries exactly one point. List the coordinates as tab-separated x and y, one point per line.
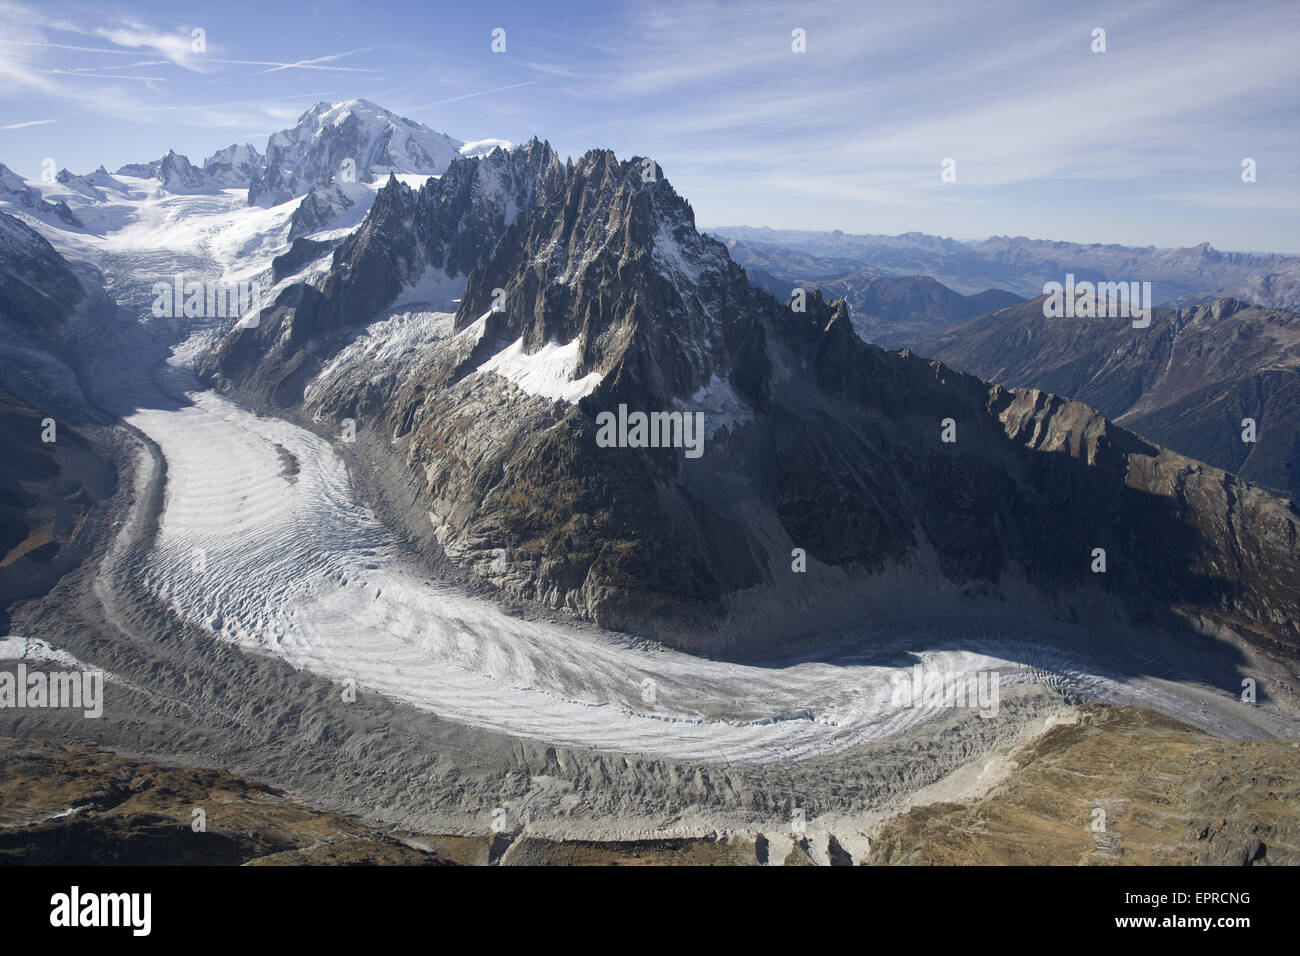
466	610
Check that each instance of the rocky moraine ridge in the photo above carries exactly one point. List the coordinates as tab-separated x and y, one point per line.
584	286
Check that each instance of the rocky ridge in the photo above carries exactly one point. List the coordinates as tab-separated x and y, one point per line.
587	287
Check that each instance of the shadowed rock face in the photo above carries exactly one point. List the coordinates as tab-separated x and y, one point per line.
37	289
52	476
48	491
1170	795
816	440
317	209
1186	382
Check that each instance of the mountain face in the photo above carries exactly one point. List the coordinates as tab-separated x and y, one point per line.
51	477
427	240
234	166
176	173
93	186
588	295
1178	276
48	490
327	204
898	311
15	191
370	137
37	289
333	148
1186	382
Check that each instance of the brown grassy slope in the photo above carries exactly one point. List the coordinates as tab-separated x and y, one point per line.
1171	795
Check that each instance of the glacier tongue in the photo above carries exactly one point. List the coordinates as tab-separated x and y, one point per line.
286	560
263	540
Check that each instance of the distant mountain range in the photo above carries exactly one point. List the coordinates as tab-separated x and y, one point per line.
331	148
23	198
890	312
1178	276
1187	382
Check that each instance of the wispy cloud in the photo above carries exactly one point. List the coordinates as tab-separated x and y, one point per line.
107	76
465	96
44	122
313	64
176	45
550	69
1048	137
68	46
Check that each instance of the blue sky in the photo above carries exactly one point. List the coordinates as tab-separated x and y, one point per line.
1142	144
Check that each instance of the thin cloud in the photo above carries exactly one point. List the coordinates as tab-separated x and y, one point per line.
550	69
29	123
265	103
108	76
128	66
175	46
453	99
68	46
313	64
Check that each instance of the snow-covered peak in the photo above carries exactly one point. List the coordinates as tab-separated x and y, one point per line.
353	139
10	181
175	171
235	165
22	199
235	155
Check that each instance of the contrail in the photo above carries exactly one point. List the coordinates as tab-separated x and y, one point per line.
453	99
29	123
312	64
